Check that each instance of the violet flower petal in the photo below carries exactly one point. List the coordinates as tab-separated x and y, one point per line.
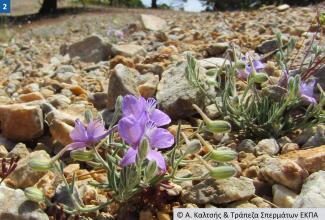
131	105
79	133
160	118
132	129
307	88
129	157
158	157
160	138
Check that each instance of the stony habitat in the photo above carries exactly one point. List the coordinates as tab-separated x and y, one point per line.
127	114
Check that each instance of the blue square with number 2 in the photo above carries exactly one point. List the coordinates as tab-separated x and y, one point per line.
5	6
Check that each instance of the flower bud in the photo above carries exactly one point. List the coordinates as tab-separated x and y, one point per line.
151	170
260	77
222	172
193	147
40	164
218	126
223	155
34	194
143	149
214	126
82	155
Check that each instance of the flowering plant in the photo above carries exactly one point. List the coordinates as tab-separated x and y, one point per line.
136	152
262	109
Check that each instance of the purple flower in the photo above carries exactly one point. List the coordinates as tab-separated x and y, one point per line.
83	136
134	130
132	105
115	33
141	120
258	66
307	91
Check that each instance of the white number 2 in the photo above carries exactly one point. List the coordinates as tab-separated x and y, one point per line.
4	6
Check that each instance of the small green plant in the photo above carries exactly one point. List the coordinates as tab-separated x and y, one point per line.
130	152
255	112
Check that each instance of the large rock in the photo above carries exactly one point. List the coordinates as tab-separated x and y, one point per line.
312	194
283	171
90	49
122	81
21	122
15	206
175	95
153	23
219	191
128	50
312	159
24	176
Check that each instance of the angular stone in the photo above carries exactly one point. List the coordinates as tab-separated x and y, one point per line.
175	95
267	46
60	131
15	206
21	122
20	150
317	139
148	85
29	97
24	176
312	159
283	171
267	146
247	145
283	197
219	191
217	49
91	49
312	194
153	23
122	81
128	50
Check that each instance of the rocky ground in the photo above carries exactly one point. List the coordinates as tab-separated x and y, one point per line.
53	69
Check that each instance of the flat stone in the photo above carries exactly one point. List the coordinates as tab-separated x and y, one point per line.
90	49
312	194
15	206
128	50
153	23
122	81
219	191
21	122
